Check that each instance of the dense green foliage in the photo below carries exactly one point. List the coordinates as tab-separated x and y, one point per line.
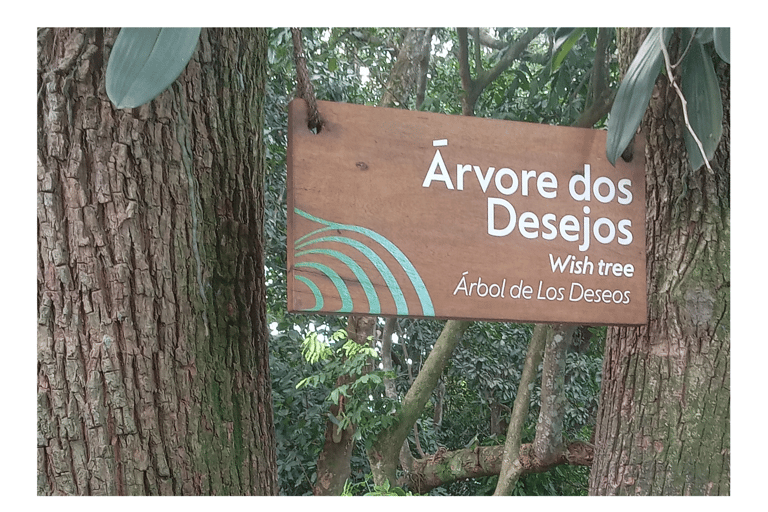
350	65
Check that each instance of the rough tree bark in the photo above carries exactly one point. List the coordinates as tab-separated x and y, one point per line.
153	373
663	427
549	442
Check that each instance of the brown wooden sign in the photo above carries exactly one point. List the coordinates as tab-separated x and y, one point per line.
394	212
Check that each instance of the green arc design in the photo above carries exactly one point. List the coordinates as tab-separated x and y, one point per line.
397	294
315	291
346	298
370	292
389	279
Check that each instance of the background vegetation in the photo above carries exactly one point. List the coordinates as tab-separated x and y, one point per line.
351	65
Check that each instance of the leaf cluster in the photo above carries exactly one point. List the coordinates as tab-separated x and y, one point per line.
703	106
348	370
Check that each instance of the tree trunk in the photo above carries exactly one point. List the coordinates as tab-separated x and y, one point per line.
663	427
333	463
153	374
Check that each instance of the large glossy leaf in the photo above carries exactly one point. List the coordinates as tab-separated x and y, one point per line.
722	37
704	34
701	90
145	61
634	93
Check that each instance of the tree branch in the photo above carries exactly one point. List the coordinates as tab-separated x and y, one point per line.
512	53
385	450
489	41
467	84
478	51
473	88
600	96
386	356
421	79
404	77
445	467
511	466
548	444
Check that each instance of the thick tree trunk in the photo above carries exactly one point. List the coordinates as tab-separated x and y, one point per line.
663	427
153	373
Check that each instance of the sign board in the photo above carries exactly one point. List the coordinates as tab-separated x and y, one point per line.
403	213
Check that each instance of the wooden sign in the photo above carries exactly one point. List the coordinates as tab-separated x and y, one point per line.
401	213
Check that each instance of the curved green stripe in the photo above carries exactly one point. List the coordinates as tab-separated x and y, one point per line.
346	298
402	259
365	282
315	291
394	288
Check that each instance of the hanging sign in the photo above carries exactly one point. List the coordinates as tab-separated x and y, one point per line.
402	213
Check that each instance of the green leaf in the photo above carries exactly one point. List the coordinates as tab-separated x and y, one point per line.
333	419
701	90
145	61
704	34
634	93
565	38
722	38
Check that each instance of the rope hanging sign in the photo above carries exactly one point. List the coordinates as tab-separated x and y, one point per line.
303	84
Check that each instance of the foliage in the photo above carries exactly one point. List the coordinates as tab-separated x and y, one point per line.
551	84
367	488
701	90
298	414
346	368
145	61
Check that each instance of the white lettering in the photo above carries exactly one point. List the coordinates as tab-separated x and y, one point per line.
484	180
547	181
492	229
501	188
623	225
624	185
580	178
437	162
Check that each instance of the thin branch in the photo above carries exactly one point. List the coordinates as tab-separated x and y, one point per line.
600	95
599	68
383	454
473	88
687	48
386	356
421	389
489	41
478	52
683	101
511	465
424	54
512	53
467	84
